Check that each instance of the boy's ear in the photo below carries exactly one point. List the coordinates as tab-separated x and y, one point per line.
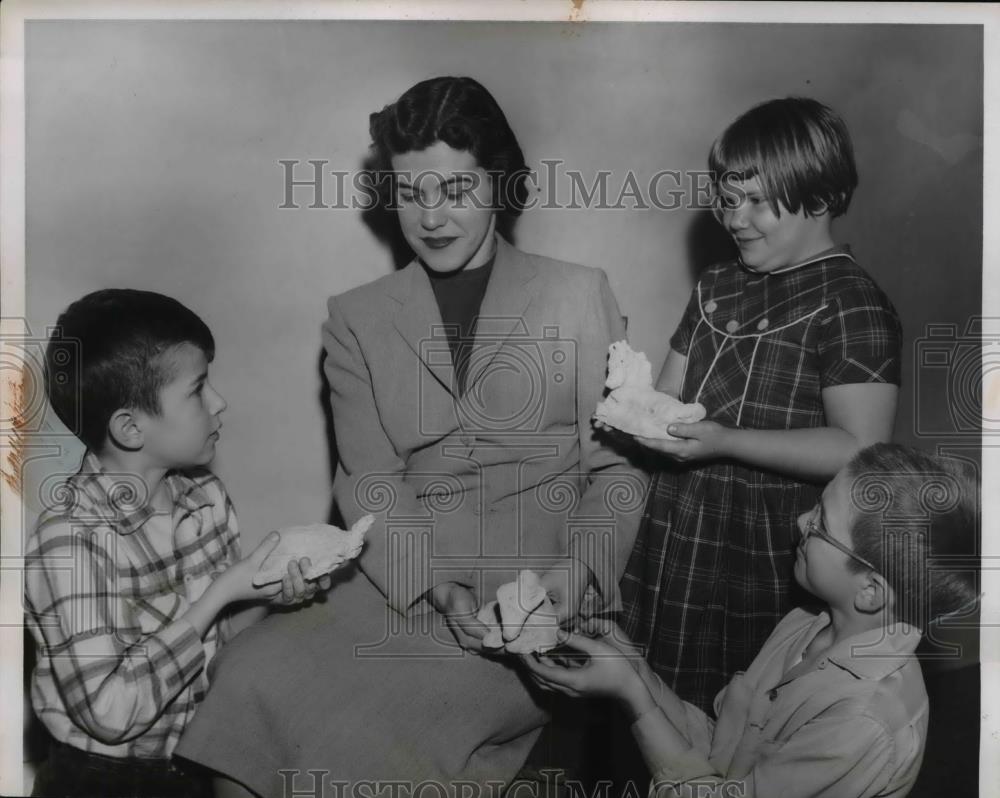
124	431
874	594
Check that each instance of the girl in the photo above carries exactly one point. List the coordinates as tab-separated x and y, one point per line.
795	353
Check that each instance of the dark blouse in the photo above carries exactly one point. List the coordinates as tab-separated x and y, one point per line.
459	296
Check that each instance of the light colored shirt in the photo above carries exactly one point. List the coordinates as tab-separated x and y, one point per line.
853	726
107	580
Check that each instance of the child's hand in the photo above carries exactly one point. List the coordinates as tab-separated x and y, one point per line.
294	587
702	440
613	434
237	581
606	672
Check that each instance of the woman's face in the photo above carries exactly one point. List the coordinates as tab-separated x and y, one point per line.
445	207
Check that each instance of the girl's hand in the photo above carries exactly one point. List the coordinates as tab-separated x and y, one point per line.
702	440
606	672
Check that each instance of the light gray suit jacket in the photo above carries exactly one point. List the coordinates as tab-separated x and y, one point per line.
508	475
465	488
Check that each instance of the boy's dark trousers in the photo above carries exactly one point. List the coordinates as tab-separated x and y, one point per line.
69	771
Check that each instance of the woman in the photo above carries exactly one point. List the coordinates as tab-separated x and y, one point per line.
461	388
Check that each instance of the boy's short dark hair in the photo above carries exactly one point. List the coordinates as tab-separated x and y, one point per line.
461	113
909	508
798	149
121	336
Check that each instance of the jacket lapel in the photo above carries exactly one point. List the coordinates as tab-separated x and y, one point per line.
418	320
501	315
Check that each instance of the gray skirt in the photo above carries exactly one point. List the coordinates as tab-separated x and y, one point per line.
351	693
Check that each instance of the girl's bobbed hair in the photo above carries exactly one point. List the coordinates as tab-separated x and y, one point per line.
798	149
460	112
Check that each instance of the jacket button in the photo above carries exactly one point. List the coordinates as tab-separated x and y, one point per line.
477	510
773	694
468	440
763	324
711	306
732	326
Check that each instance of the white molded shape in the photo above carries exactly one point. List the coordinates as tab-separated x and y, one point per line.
326	546
634	406
522	620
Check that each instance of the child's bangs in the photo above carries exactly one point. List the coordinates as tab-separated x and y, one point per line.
734	161
739	158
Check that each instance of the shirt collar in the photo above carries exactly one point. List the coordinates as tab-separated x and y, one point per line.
123	499
874	654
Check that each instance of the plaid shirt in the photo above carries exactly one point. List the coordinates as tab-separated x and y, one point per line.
107	580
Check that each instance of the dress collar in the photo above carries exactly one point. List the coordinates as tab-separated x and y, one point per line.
841	250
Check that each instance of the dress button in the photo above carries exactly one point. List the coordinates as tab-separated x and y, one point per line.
762	324
711	306
822	664
732	326
188	578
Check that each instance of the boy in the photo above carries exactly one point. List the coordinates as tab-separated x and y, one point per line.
127	577
834	703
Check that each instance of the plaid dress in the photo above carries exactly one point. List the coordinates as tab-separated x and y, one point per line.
710	574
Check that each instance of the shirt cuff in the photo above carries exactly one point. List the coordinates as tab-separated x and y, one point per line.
176	653
676	768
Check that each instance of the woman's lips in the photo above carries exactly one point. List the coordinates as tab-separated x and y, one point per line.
438	243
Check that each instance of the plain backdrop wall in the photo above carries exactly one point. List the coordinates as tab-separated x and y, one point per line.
153	155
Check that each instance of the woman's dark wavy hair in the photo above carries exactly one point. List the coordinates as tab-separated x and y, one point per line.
910	511
461	113
109	354
798	149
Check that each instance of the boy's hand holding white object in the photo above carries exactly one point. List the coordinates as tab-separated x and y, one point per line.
237	583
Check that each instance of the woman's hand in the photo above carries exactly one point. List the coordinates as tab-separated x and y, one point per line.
459	606
566	583
702	440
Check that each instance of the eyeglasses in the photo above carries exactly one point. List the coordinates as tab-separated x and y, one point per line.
814	529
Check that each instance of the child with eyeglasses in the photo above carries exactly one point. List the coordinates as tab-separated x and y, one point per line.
795	353
834	703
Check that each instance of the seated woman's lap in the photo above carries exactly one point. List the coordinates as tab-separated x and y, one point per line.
346	688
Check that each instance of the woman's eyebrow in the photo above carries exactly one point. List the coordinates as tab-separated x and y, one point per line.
464	177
